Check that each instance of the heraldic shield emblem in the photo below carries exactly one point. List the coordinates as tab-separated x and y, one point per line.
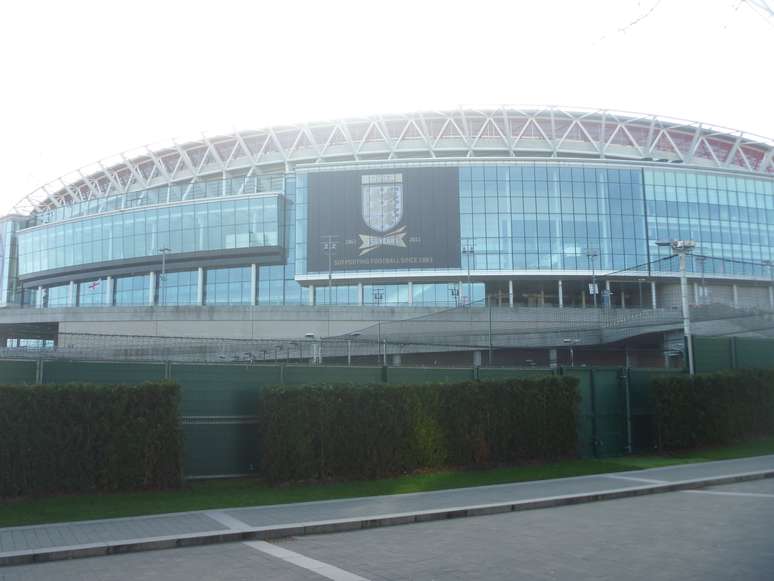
382	208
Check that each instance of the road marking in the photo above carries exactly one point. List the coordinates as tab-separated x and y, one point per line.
226	520
322	569
633	479
719	493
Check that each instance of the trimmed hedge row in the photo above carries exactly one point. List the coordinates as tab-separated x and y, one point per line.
714	408
85	437
349	431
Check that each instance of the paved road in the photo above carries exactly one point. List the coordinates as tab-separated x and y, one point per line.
713	534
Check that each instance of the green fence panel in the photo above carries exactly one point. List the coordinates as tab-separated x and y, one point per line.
219	408
101	372
223	390
405	375
754	353
610	411
712	354
518	373
586	412
299	375
17	372
222	448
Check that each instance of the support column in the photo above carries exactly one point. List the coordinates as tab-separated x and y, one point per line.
39	299
583	298
71	294
653	294
109	292
510	293
771	298
623	297
609	294
152	289
253	284
311	294
561	295
735	289
542	297
695	293
200	286
410	293
360	294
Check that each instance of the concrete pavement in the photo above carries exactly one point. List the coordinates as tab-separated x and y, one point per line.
29	544
710	535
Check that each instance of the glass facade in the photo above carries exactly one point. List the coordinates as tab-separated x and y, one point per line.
228	286
731	218
219	225
92	293
57	296
132	290
178	288
515	218
168	194
546	217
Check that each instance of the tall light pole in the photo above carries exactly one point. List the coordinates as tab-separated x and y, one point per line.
591	255
570	343
469	250
329	246
163	277
682	248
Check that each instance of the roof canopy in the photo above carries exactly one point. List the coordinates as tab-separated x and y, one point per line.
550	132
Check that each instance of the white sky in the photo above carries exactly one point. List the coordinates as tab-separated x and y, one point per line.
84	80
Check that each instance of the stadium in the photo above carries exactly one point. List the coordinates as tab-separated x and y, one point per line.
508	235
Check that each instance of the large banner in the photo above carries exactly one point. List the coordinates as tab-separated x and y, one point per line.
386	219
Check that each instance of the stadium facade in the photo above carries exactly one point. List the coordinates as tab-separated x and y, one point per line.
509	207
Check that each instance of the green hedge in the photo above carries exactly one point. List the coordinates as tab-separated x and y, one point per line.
714	408
349	431
85	437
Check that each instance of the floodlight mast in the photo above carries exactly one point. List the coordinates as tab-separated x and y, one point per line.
682	248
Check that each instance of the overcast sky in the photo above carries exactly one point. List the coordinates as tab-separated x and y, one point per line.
84	80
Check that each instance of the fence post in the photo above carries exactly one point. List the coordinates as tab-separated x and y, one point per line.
626	378
593	395
732	347
39	371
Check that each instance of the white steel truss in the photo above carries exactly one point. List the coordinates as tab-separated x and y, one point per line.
550	132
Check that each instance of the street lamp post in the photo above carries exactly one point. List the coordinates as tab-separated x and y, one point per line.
469	250
570	343
163	277
591	255
682	248
329	246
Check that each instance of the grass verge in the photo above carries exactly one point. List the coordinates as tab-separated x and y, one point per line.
210	494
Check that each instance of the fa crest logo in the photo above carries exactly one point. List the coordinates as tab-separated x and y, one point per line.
382	210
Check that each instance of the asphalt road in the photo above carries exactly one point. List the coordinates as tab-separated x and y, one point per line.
719	533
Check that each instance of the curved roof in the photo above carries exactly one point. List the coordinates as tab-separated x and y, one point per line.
488	132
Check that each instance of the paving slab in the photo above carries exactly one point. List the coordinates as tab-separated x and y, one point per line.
100	531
